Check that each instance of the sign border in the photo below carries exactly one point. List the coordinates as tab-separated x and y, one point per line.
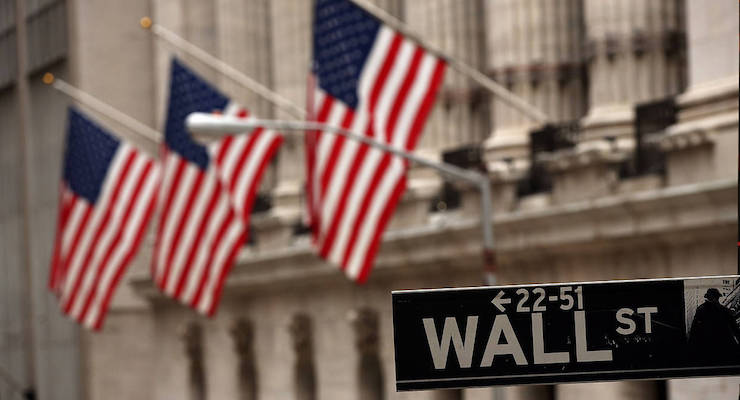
565	377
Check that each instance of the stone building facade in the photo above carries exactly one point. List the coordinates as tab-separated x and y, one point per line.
634	177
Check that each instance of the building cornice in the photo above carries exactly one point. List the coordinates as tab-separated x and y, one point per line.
665	215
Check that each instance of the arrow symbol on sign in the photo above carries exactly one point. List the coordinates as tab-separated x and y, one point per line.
499	301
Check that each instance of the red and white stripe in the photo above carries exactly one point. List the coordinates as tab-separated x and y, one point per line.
95	243
243	159
204	215
353	188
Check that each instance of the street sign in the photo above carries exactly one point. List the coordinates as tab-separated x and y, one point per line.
552	333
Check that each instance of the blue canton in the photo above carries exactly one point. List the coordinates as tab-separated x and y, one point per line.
189	93
342	40
87	158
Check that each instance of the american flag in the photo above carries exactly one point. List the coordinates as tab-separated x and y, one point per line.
373	81
206	195
107	197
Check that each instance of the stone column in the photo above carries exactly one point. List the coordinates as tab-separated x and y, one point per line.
199	28
459	116
534	50
703	144
193	20
304	373
633	52
167	13
242	333
289	32
291	52
244	42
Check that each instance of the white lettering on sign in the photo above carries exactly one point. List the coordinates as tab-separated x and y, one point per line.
540	299
538	345
648	312
511	345
499	301
450	332
503	340
623	317
583	354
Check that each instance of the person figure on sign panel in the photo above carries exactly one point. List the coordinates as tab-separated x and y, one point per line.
715	334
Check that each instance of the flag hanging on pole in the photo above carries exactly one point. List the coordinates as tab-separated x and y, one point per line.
373	81
206	195
107	197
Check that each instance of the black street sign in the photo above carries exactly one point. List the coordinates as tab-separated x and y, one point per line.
552	333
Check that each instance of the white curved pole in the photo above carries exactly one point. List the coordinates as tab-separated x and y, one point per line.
211	124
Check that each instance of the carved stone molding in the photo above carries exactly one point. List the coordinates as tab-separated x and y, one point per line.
474	96
537	72
705	111
665	214
686	139
565	160
638	42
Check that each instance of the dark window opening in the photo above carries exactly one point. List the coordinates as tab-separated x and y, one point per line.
651	120
549	139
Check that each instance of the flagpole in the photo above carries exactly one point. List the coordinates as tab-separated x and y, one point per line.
205	123
102	107
465	69
227	70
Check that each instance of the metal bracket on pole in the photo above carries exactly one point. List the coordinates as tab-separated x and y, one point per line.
204	123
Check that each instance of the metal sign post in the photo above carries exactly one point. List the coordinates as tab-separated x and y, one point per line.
556	333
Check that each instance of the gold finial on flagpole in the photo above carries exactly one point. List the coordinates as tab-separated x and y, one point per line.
48	78
145	22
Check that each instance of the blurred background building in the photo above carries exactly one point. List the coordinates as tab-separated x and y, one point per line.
635	177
